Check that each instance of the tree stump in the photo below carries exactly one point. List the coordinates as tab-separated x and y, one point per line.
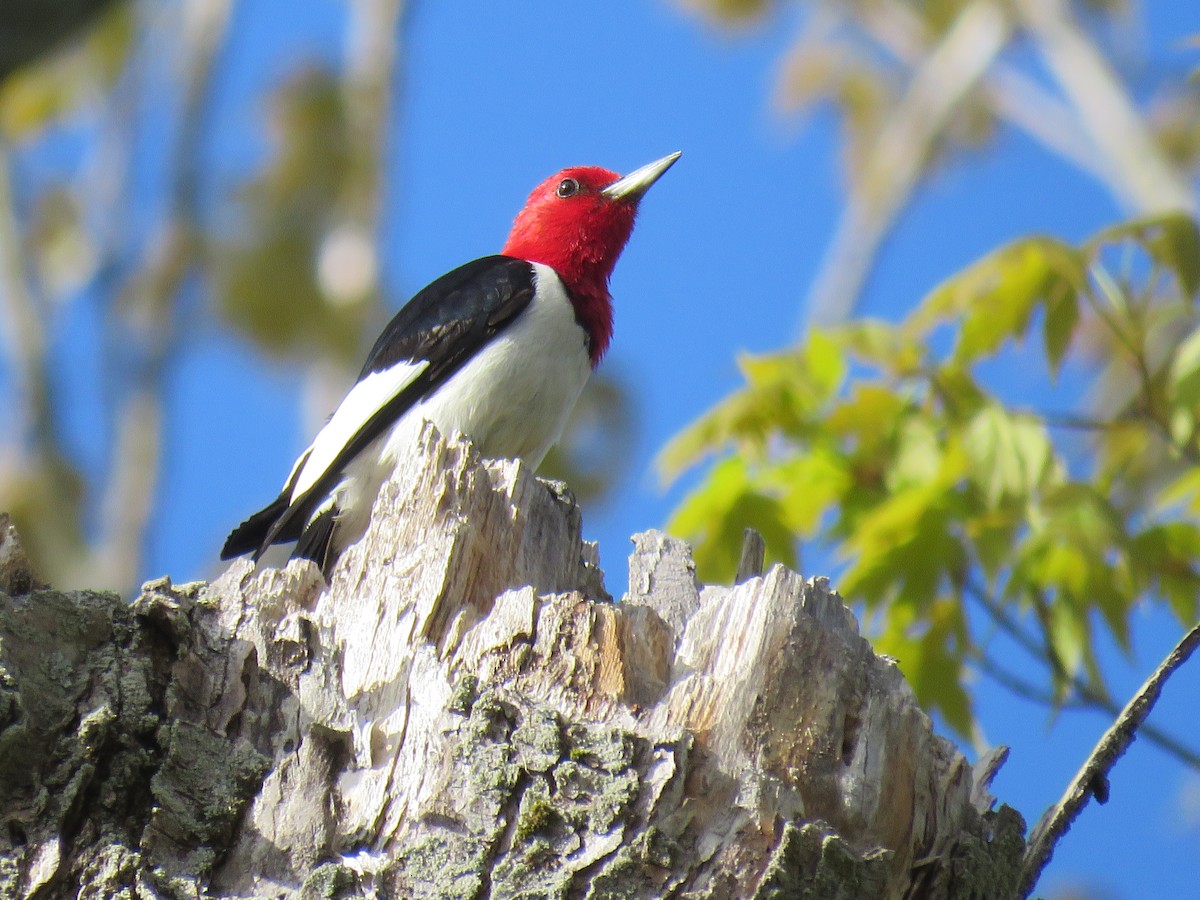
464	713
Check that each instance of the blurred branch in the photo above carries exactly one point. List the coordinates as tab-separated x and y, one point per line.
900	153
1092	778
1098	129
1014	96
43	481
372	49
1139	173
132	486
24	329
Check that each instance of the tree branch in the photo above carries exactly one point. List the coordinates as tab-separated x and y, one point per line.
900	152
1092	778
1138	170
133	482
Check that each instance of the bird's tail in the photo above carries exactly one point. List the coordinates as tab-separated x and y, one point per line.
250	535
316	543
262	529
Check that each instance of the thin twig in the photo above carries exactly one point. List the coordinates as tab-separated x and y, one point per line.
1092	778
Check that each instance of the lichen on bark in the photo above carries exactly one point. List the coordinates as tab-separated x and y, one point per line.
462	712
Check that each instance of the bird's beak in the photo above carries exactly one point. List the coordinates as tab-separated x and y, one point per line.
636	183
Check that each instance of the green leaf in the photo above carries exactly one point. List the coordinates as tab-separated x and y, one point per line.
1078	514
809	486
995	298
1058	328
889	347
1167	554
905	548
1172	239
716	514
1069	633
1185	373
993	536
1010	454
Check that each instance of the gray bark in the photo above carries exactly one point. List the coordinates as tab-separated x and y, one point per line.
463	713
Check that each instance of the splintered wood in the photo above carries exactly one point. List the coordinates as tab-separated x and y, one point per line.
463	712
504	728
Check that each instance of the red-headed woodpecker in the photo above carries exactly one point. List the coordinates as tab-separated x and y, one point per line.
498	349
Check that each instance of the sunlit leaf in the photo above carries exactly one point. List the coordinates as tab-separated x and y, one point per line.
1010	454
1172	239
809	486
905	549
995	298
1169	553
1069	634
898	350
1058	328
716	514
1185	372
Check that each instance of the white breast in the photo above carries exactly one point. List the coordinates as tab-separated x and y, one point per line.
512	399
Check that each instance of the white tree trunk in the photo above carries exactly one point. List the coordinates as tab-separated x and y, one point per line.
463	713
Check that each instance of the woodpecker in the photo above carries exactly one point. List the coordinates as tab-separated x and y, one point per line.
498	349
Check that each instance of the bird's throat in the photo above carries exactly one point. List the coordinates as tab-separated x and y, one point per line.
594	313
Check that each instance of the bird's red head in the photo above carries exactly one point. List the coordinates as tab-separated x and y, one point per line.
578	222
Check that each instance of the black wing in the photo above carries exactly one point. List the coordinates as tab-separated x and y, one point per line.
445	324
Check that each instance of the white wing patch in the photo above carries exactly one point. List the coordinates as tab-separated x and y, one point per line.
363	401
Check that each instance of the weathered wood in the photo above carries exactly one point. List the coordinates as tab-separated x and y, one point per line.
462	713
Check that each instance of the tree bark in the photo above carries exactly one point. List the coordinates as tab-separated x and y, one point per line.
464	713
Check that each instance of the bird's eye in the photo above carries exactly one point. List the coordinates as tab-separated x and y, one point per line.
568	187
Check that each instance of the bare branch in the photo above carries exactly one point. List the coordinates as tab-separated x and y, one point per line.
901	150
1092	778
1138	171
129	499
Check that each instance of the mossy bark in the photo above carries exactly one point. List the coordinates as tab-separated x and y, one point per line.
462	712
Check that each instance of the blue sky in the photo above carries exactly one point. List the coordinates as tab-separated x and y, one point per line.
492	98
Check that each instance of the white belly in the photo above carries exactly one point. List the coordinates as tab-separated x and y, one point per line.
512	399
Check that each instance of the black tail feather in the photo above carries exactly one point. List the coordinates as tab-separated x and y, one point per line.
249	536
316	543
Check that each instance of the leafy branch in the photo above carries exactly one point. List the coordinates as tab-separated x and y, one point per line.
927	483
